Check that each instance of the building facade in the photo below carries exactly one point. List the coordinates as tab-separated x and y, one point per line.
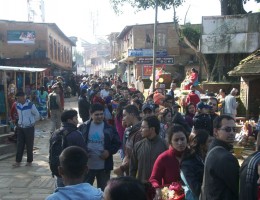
35	45
136	51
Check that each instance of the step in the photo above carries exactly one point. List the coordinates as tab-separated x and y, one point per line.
4	138
7	148
7	155
4	129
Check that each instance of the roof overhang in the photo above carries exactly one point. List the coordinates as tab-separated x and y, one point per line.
127	60
250	66
21	69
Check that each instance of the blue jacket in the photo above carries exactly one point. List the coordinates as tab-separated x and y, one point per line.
27	113
77	192
111	141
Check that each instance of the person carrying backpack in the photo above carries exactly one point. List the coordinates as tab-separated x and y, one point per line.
66	136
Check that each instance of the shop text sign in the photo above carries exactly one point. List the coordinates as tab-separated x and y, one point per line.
146	52
166	60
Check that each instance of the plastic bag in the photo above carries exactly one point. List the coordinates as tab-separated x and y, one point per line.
107	114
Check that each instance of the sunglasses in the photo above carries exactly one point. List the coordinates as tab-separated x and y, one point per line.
229	129
212	104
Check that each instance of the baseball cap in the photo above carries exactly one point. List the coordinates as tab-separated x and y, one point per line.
148	106
202	105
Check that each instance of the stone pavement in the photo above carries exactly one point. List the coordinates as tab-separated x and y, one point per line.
35	182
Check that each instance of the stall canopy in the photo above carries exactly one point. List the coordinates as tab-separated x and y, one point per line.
21	69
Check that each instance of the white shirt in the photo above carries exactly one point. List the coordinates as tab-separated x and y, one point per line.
139	86
104	93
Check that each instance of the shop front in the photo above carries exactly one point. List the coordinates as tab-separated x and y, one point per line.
14	78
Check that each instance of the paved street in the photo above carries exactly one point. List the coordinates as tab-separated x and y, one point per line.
36	182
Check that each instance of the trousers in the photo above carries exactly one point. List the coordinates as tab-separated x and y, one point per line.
25	136
101	175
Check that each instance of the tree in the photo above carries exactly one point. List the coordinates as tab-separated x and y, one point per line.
228	7
145	4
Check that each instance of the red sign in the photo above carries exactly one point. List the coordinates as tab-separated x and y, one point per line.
148	69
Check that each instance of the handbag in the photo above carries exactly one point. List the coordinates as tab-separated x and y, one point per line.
188	193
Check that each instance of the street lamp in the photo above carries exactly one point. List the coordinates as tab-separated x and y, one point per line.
155	41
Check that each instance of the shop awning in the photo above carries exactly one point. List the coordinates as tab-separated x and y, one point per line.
21	69
127	59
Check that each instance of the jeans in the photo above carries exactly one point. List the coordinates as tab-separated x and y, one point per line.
25	137
101	175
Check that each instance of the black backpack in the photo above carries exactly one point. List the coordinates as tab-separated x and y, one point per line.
58	142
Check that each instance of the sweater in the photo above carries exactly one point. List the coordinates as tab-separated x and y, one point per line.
144	156
166	169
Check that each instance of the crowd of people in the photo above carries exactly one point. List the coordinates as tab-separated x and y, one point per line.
158	144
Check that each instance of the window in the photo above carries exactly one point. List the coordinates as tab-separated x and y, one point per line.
55	49
149	39
51	47
161	39
58	51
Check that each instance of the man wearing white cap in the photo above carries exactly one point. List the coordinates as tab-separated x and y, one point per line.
231	105
84	84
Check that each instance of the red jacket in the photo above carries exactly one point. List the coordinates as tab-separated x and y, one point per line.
192	98
166	169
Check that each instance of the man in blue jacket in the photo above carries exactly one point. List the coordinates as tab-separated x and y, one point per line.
73	166
102	142
27	116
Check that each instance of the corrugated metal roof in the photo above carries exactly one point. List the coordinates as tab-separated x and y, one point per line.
248	66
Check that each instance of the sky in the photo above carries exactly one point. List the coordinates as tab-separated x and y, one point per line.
88	19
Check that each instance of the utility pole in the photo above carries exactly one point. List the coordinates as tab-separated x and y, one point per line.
155	42
36	10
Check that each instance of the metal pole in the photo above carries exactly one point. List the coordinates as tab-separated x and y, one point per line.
155	42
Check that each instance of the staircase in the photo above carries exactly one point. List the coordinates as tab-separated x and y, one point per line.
7	148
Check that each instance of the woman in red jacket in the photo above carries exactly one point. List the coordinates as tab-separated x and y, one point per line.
97	99
166	168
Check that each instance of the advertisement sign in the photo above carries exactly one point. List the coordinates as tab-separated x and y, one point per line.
146	53
21	37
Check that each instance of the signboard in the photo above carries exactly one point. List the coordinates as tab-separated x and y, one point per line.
148	69
230	34
20	37
163	60
146	53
